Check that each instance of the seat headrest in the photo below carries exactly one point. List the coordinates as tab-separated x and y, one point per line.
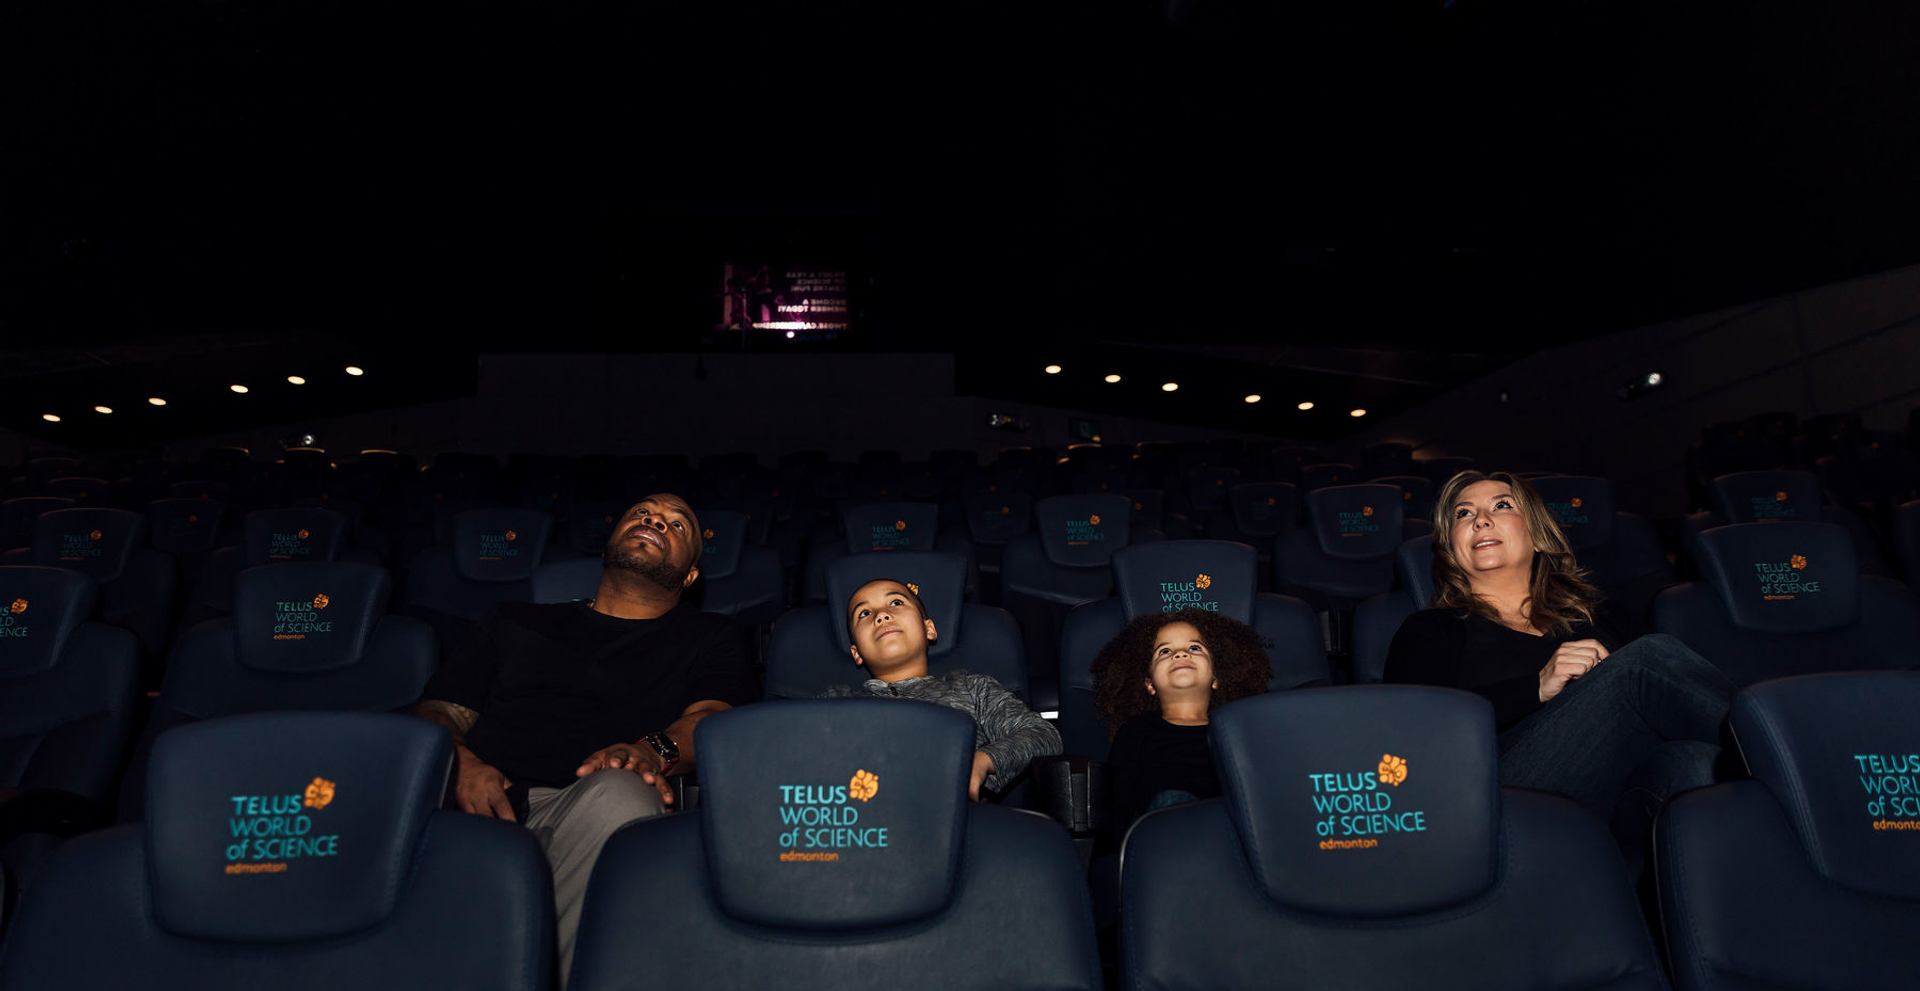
1581	504
288	826
95	542
589	524
185	525
1083	531
1756	496
1416	493
891	526
1414	561
304	616
1329	473
723	534
1170	575
499	544
938	577
1782	577
997	517
1368	800
1841	753
39	609
1263	509
1149	507
1356	522
835	814
303	533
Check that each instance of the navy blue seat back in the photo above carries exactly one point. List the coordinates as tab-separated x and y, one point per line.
890	526
1758	496
809	651
1620	551
1264	509
303	635
83	490
185	527
855	860
67	686
1345	552
1801	875
1788	598
1067	560
1331	473
1416	495
492	558
305	533
737	577
109	546
293	851
1208	486
1906	540
1362	840
1168	576
1377	618
994	518
590	523
18	517
1149	508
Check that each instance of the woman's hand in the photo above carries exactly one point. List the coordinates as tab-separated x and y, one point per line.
1573	660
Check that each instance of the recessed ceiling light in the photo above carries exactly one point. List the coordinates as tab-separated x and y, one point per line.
50	417
103	409
1304	406
1053	369
356	370
1356	412
155	401
296	380
237	387
1112	379
1169	387
1254	398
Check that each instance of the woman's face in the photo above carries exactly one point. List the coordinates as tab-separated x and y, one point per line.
1181	661
1489	532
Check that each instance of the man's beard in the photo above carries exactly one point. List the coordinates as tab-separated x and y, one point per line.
661	573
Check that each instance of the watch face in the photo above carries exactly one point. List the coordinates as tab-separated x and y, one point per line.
664	746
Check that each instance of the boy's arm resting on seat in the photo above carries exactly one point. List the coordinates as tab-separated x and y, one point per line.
1015	734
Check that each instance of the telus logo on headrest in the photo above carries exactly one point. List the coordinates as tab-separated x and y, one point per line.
887	537
287	546
299	620
498	546
1569	513
80	546
268	831
1779	507
1785	581
1352	810
1356	523
1083	532
10	625
1175	596
819	821
1892	784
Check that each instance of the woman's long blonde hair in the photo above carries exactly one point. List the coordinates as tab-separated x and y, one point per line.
1559	596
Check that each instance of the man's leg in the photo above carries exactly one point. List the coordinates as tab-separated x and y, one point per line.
572	824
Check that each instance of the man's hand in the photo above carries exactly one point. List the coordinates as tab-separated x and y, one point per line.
482	789
636	757
982	766
1573	660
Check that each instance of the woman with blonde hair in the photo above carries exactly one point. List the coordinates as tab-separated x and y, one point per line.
1579	711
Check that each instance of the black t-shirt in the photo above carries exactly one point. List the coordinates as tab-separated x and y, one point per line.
1150	755
554	683
1457	649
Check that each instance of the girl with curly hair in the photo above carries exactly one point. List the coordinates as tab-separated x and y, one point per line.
1581	711
1155	684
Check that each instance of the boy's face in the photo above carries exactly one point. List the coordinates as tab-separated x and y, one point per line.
887	629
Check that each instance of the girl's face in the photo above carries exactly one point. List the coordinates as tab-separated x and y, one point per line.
1181	662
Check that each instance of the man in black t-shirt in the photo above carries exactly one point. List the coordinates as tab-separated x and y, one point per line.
535	696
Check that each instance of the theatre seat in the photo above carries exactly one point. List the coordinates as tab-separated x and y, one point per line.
1807	875
1906	540
910	886
1781	495
271	536
303	635
809	650
490	558
351	877
19	516
1621	551
109	546
1378	618
863	528
1065	563
1780	599
1416	494
1168	576
1363	841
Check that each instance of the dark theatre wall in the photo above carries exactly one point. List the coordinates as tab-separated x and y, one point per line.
1849	347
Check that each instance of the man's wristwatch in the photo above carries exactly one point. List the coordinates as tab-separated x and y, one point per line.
663	745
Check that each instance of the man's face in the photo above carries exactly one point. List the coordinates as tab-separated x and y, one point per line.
659	539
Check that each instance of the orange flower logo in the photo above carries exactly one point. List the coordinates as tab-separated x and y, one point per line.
1219	483
1576	502
1366	510
320	601
193	518
899	524
511	536
1202	581
1272	501
95	535
1393	770
707	533
1006	510
1799	562
1139	507
864	786
19	606
1093	520
1406	496
319	793
1779	497
304	533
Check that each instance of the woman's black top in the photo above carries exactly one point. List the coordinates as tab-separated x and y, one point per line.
1150	755
1457	649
